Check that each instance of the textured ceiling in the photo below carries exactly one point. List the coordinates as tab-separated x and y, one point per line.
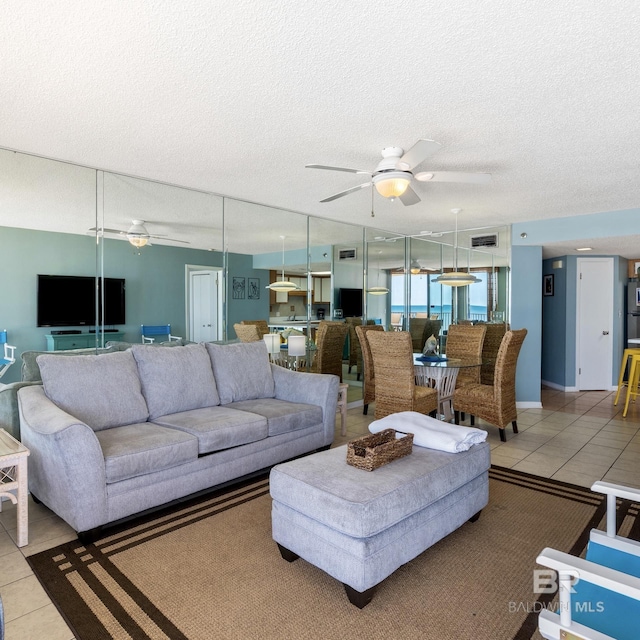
235	98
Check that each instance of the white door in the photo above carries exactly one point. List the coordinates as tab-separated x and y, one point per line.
594	323
203	307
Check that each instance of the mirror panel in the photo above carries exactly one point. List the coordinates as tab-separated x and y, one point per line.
165	278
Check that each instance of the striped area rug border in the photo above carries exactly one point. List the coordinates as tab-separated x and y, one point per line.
80	579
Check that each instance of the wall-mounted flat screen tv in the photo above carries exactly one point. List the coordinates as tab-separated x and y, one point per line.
69	301
350	301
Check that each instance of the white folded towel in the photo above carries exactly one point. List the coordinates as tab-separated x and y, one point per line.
431	433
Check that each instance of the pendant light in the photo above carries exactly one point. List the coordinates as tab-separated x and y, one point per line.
456	278
378	290
282	285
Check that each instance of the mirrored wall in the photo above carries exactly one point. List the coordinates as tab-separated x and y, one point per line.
159	254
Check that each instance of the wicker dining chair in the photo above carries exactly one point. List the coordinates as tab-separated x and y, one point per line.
465	341
247	332
262	325
490	346
395	385
368	378
420	329
496	403
329	345
355	354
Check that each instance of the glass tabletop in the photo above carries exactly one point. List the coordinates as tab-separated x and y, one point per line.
9	445
445	363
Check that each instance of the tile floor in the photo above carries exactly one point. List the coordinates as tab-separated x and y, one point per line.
576	437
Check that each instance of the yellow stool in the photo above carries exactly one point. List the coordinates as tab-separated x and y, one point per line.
632	382
623	368
342	406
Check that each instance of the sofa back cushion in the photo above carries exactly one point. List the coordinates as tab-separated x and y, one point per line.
175	380
103	391
242	371
31	371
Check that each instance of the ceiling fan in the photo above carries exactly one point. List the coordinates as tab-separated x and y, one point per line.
393	175
138	235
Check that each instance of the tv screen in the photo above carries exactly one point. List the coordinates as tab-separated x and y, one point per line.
65	301
351	302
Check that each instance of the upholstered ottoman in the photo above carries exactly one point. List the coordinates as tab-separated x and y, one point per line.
360	526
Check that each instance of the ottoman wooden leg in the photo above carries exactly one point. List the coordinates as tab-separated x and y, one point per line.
475	517
359	598
289	556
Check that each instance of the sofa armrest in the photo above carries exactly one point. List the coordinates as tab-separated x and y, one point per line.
313	388
9	417
66	465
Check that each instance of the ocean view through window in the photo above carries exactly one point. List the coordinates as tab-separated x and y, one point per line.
429	298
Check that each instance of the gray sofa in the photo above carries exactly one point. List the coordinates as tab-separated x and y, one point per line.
112	435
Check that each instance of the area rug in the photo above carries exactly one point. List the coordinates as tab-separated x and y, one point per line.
208	569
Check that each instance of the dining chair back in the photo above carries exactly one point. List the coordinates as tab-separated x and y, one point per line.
247	332
395	385
492	339
420	330
466	341
330	339
262	325
368	378
496	403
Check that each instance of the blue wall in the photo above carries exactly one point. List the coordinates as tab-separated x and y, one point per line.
526	312
155	282
557	329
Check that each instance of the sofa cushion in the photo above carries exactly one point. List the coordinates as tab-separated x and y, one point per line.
282	416
218	428
242	371
102	391
175	380
137	449
30	371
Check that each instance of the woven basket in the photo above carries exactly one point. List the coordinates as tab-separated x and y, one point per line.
371	452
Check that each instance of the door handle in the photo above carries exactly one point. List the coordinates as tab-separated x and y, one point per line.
605	333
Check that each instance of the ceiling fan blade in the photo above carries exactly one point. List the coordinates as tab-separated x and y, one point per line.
118	231
347	192
322	166
169	239
420	150
409	197
453	176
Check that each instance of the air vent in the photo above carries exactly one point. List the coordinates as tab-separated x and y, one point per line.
347	254
484	241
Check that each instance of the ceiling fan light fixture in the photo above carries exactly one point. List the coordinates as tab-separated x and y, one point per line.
415	267
392	184
138	235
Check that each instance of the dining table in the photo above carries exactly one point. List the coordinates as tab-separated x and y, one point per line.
440	373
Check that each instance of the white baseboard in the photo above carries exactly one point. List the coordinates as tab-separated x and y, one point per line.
559	387
528	405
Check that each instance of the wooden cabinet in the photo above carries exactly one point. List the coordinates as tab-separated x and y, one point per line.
322	290
66	341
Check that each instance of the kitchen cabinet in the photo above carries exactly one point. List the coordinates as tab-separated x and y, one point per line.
322	290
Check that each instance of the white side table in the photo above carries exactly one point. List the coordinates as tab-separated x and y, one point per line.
13	477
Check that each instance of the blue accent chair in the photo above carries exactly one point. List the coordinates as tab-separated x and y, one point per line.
9	356
599	596
151	331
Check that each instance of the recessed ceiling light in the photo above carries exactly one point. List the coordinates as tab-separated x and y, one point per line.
584	249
